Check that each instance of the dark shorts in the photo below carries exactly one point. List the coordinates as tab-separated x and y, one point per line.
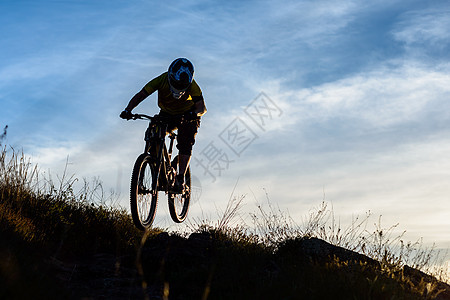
186	133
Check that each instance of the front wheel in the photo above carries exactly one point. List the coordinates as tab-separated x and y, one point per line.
143	200
179	203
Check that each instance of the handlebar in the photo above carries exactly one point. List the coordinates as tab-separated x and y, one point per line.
141	117
157	117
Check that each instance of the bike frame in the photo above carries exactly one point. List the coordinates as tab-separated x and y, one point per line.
155	137
156	162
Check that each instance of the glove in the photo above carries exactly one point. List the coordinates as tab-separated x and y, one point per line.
126	115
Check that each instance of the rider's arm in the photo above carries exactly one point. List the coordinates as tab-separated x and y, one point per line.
138	98
199	106
146	91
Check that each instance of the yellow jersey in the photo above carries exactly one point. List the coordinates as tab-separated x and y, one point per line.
167	102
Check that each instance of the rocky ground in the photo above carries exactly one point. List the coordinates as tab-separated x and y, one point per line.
201	267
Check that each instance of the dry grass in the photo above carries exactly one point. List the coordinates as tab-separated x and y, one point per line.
65	221
274	226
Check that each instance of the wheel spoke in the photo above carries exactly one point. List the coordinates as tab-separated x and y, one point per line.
179	203
143	200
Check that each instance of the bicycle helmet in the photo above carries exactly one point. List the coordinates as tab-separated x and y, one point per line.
180	75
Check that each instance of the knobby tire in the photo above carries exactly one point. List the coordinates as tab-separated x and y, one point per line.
179	203
143	202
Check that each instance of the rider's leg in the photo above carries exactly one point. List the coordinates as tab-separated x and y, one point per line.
183	161
185	141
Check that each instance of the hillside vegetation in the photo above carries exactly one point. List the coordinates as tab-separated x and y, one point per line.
56	243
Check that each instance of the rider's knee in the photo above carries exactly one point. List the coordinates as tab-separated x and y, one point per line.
186	138
185	149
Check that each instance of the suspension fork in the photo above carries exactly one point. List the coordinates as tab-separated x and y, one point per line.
170	171
172	137
158	163
166	165
160	159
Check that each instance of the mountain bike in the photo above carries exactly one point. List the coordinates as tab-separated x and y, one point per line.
154	171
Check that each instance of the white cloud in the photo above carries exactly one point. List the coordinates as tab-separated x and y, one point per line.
381	99
429	27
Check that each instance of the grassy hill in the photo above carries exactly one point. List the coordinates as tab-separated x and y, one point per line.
56	244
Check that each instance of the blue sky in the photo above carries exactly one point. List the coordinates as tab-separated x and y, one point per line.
359	93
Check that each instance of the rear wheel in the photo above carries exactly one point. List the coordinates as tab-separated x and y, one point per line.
143	200
179	203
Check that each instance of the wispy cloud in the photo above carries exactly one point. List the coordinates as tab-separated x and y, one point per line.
384	98
428	28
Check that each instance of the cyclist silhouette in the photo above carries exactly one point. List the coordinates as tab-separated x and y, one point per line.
179	98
